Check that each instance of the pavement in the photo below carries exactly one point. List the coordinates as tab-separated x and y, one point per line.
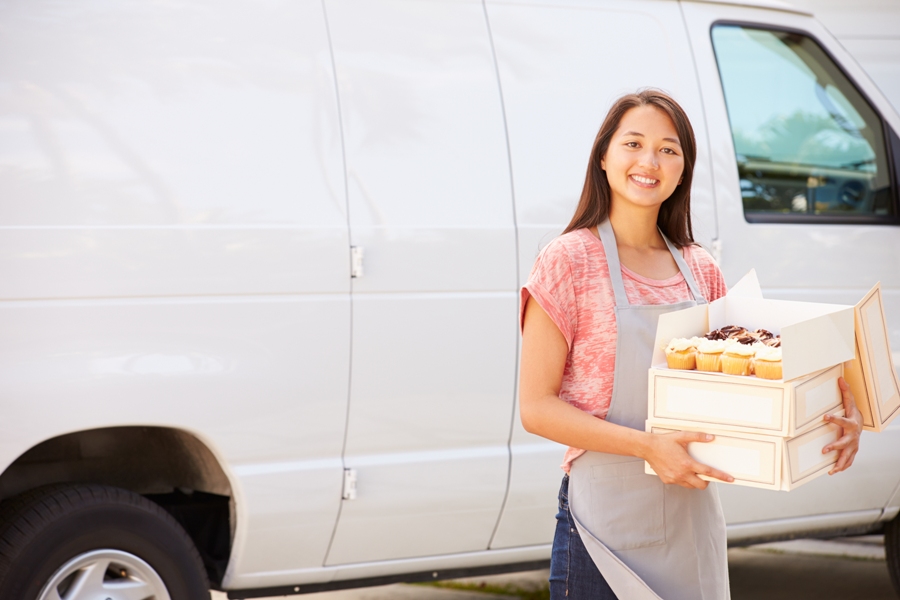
840	569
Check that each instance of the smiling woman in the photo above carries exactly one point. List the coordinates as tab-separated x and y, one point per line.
626	257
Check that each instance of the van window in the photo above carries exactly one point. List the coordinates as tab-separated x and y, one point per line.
808	144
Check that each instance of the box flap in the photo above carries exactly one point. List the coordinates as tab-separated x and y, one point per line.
747	287
684	323
875	361
817	343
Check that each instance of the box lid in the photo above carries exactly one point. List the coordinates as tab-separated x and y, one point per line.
871	373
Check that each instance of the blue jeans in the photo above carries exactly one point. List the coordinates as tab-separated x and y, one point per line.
573	574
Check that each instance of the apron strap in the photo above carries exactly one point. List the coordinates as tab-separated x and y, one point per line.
608	238
685	271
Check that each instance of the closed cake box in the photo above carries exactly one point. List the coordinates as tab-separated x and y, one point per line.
763	461
746	404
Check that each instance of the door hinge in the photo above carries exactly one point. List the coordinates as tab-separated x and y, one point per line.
356	261
349	492
715	248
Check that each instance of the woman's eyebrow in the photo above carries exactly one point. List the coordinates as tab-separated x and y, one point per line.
639	134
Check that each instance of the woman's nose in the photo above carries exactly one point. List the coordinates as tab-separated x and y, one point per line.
649	160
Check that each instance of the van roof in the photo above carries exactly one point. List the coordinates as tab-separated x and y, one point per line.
770	4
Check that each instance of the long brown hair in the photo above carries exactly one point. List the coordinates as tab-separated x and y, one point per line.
674	218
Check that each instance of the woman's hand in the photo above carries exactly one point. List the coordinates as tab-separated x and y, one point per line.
668	456
851	423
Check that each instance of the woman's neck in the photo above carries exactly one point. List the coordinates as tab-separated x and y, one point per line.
635	227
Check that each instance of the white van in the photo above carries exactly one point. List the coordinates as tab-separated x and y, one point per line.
260	261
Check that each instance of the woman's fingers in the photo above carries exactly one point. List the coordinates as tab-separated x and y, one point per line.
709	471
844	461
847	424
851	425
686	437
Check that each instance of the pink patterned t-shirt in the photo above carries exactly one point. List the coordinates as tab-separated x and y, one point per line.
570	280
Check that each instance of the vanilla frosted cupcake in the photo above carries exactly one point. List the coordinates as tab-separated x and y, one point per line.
736	359
681	354
709	355
767	362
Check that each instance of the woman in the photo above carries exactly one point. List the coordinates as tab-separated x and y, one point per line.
589	313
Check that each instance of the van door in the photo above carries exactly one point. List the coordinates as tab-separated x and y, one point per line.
804	159
434	307
561	67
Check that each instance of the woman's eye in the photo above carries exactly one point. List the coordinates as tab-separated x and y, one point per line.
631	144
668	151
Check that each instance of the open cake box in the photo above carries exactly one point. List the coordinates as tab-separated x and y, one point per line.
818	341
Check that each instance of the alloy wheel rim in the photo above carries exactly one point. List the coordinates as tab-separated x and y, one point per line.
105	574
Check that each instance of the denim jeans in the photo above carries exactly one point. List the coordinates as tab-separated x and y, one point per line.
573	574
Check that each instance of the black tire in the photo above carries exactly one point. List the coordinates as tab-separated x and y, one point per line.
43	529
892	551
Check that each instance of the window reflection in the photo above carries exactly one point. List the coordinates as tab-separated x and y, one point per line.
806	141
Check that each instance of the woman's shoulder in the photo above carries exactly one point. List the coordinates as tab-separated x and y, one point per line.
573	247
700	255
706	270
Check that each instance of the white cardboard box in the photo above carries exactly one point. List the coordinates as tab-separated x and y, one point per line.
763	461
871	373
750	405
814	337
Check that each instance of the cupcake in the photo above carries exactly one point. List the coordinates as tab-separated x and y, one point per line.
733	331
767	362
716	334
763	335
681	354
736	359
709	355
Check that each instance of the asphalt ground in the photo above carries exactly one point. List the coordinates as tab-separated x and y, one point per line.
843	569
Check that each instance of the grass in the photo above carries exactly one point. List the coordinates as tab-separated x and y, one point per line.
513	591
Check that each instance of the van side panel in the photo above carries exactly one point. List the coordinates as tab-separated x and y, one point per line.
560	70
434	314
174	245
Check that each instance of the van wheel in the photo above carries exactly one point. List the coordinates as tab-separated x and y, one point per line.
79	542
892	551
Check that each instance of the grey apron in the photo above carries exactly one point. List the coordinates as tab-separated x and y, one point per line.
649	540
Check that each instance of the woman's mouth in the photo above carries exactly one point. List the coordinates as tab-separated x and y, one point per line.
646	182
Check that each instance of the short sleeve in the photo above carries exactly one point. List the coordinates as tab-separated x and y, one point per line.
707	273
552	286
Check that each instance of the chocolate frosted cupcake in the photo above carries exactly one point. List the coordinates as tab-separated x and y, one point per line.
746	338
774	342
731	331
716	335
763	335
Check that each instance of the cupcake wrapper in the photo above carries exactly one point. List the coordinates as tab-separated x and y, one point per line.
735	365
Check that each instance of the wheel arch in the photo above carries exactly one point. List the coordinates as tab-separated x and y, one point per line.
169	466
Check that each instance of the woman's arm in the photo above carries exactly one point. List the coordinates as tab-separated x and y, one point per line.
544	413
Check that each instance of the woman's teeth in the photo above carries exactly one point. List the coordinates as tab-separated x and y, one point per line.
645	180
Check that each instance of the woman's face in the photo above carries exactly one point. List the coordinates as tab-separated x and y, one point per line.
644	161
